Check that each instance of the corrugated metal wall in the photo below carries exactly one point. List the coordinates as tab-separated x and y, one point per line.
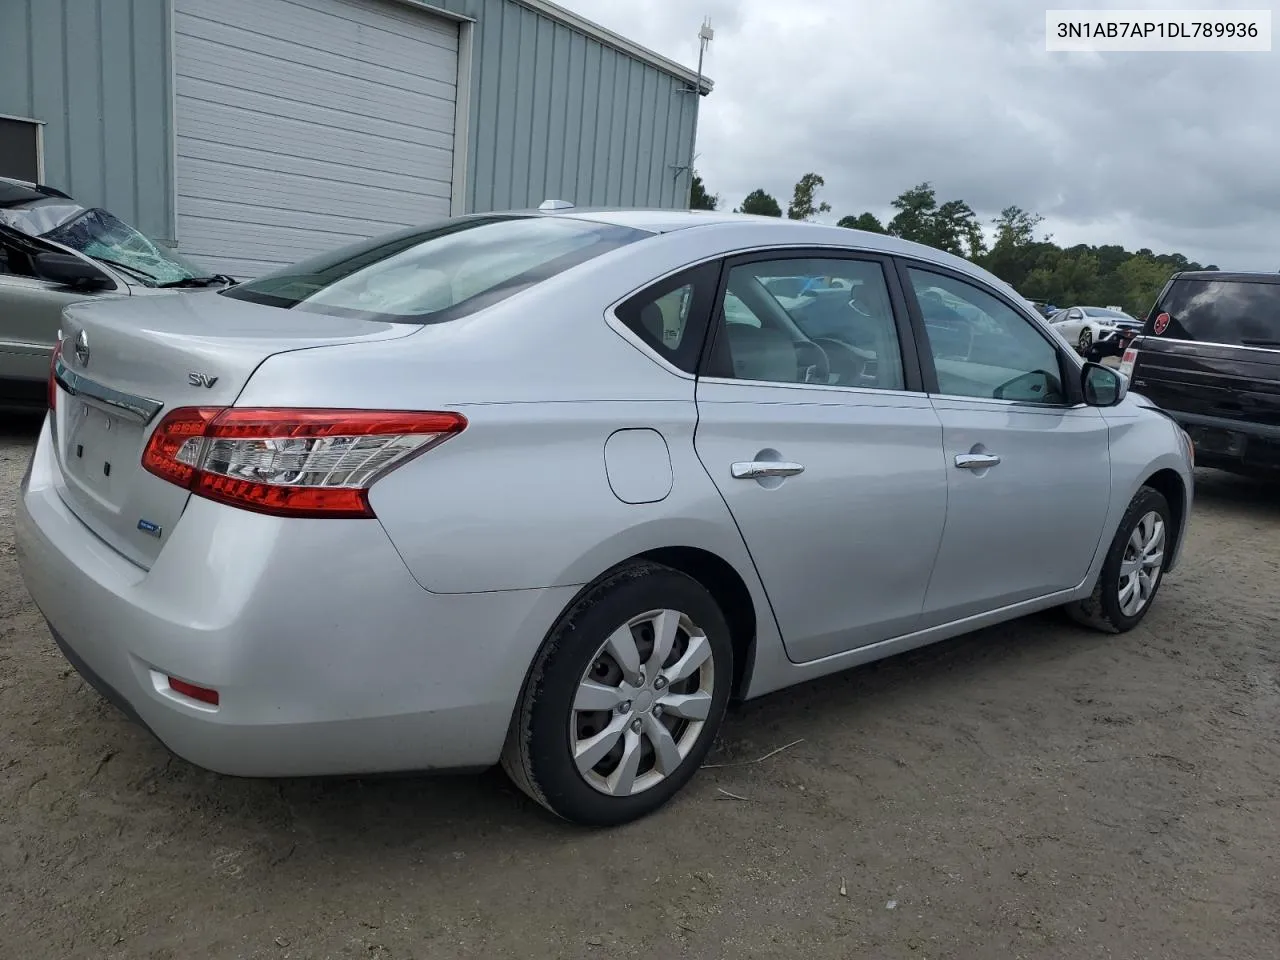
554	114
97	73
557	115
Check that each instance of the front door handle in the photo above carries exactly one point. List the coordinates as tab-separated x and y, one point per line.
757	469
976	461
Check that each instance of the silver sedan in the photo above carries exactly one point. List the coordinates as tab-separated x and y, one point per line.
551	488
55	252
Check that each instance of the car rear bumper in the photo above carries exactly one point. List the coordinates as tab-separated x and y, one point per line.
1111	344
327	656
1231	444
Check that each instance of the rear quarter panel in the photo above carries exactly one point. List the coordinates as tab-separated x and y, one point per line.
521	498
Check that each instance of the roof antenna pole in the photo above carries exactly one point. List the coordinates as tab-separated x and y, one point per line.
705	35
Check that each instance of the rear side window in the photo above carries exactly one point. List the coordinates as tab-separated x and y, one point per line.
1234	312
437	274
670	317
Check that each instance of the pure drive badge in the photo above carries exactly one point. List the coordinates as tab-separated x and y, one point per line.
146	526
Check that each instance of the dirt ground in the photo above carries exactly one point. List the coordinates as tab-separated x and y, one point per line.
1033	790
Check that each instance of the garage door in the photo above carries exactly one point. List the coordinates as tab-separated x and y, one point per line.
303	125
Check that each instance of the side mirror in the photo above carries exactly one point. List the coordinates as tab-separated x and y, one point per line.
1103	386
70	271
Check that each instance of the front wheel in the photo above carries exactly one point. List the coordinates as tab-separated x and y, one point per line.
1086	341
624	699
1133	569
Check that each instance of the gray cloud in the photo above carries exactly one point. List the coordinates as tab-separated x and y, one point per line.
1160	150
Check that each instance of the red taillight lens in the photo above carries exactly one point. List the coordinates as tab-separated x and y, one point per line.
53	381
296	463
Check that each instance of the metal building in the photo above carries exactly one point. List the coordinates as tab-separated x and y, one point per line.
251	133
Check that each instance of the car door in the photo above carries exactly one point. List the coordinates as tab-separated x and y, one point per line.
813	426
32	311
1027	462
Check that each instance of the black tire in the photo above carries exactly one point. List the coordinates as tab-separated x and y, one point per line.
1085	343
1102	609
538	752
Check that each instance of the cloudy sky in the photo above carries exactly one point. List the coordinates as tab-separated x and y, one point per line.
1172	151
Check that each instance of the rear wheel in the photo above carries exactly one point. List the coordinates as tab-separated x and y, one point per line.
625	698
1133	569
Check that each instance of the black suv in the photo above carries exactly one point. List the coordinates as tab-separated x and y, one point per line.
1209	355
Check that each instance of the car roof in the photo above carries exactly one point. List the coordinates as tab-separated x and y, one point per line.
1240	277
655	221
775	230
14	192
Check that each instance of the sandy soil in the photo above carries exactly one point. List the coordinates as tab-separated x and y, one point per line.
1033	790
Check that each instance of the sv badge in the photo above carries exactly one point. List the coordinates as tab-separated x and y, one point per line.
201	380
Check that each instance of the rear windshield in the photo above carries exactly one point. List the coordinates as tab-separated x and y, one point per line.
436	274
1234	312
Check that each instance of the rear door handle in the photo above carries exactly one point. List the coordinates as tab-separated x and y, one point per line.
976	461
756	469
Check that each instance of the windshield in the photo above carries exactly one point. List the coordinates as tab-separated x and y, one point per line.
437	274
103	236
1108	314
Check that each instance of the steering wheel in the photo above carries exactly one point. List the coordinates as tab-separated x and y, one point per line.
859	309
812	362
848	365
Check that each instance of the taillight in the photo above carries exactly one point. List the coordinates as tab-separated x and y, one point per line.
290	462
1128	360
53	380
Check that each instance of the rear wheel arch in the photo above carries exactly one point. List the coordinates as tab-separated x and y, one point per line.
534	756
717	576
731	594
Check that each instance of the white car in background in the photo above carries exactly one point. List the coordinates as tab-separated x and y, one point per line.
1101	330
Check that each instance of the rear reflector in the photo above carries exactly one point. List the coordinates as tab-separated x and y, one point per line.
1128	360
203	694
291	462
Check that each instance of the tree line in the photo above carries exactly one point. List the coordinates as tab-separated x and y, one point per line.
1034	265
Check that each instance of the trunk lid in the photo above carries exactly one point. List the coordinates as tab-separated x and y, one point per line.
130	362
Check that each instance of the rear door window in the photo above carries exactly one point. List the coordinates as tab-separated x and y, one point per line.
838	330
1233	312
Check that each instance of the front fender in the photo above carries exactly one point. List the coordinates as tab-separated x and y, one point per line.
1146	449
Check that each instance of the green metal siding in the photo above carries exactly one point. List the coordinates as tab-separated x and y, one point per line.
97	73
554	114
